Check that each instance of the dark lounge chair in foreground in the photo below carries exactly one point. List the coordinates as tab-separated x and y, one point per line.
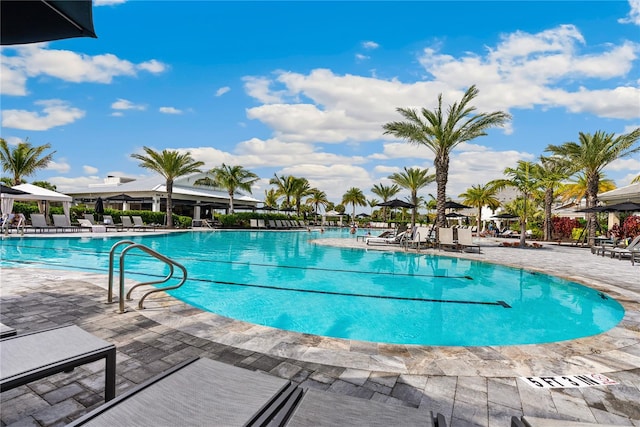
32	356
203	392
196	392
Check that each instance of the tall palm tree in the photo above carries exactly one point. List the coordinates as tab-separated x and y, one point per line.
550	176
317	198
285	187
355	196
590	155
479	196
385	192
232	179
413	179
24	159
171	164
522	178
441	132
300	189
636	180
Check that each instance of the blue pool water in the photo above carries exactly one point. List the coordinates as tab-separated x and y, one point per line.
279	279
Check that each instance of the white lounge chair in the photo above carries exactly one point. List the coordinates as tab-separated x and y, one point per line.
465	239
445	238
391	240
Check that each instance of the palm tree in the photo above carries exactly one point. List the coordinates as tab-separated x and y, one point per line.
285	187
478	196
550	175
636	180
385	192
317	198
170	164
24	159
523	179
355	196
271	198
590	155
442	134
232	179
413	179
576	188
300	189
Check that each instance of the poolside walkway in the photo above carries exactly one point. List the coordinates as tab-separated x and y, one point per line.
471	386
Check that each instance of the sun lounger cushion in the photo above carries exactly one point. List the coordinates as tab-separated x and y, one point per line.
201	392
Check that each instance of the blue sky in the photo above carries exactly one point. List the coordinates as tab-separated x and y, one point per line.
303	88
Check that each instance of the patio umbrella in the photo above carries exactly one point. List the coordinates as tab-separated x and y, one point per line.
450	204
618	207
33	21
99	208
396	203
455	215
505	216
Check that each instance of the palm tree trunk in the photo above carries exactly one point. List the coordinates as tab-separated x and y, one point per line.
442	173
231	202
548	226
523	222
169	184
592	200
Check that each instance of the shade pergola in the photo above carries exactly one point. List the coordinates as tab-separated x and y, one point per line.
34	193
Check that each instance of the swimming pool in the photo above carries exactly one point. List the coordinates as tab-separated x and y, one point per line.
281	280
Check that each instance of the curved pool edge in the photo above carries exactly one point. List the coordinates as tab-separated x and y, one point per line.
610	351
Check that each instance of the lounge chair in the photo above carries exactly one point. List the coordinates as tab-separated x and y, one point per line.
197	392
39	222
95	228
6	331
391	240
126	222
110	223
445	238
62	223
139	223
322	408
32	356
421	236
625	251
465	239
89	217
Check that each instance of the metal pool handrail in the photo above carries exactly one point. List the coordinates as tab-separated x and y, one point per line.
132	245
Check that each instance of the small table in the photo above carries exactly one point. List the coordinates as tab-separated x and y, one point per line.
32	356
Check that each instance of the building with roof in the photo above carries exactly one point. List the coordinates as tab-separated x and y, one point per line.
195	201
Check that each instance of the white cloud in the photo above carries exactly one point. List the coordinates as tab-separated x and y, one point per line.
31	61
169	110
370	45
123	104
54	113
90	170
222	90
60	166
361	57
634	14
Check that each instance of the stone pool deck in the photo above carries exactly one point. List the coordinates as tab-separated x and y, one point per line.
471	386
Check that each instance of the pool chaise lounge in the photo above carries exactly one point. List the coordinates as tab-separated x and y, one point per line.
202	391
32	356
